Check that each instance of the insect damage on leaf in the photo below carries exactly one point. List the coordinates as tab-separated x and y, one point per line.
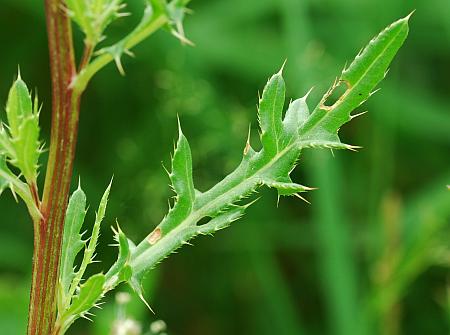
361	77
154	236
282	138
335	95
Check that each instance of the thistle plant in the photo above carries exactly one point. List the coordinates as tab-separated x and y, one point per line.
61	293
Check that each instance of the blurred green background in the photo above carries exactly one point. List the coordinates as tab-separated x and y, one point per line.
369	256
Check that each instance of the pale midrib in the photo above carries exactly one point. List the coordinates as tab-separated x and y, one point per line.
65	260
274	123
189	178
217	203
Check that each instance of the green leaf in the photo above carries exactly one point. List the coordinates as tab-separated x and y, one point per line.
22	147
89	251
270	113
72	242
137	288
18	107
9	180
78	11
4	171
176	11
359	79
90	293
222	221
102	207
119	270
5	142
181	175
282	139
182	183
19	145
287	187
94	16
157	15
75	299
296	116
27	148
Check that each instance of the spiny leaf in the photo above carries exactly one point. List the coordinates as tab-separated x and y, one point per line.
270	112
296	115
72	241
5	142
102	206
176	10
93	16
4	182
181	175
17	187
117	270
283	141
107	11
27	148
182	181
89	251
18	107
156	15
359	79
22	148
90	293
222	221
78	11
287	187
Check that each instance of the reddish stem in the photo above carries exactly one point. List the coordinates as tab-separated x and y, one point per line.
48	231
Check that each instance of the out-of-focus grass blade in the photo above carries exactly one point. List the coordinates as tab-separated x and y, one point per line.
278	302
336	262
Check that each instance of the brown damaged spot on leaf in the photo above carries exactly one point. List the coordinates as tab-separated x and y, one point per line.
335	95
155	236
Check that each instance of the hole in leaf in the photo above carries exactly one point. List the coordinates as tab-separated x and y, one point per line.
336	93
204	221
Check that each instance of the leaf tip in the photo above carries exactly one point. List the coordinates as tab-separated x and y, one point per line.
407	17
19	77
305	97
180	131
110	183
280	72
